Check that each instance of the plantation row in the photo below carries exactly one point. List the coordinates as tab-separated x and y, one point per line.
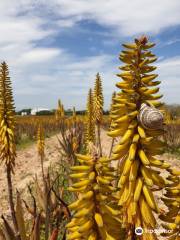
88	195
26	129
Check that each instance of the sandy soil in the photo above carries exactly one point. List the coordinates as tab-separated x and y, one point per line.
27	165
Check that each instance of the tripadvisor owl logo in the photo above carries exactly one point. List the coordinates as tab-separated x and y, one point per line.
139	231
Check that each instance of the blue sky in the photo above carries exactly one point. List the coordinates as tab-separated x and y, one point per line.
55	48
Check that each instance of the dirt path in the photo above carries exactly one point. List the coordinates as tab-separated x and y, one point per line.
27	165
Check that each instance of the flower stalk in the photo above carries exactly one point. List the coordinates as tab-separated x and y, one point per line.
96	214
90	124
98	108
138	123
7	138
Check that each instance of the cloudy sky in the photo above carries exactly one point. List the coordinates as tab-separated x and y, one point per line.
55	48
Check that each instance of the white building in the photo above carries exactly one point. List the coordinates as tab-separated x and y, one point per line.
36	110
23	113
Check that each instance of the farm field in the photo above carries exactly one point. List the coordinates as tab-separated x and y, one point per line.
28	163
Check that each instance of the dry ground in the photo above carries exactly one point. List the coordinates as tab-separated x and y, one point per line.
27	165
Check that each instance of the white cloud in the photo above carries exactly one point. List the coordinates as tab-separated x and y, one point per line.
42	74
94	62
65	23
73	77
21	30
169	74
68	78
172	41
126	17
40	55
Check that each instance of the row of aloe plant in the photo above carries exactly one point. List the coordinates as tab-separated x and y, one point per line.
44	214
113	195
